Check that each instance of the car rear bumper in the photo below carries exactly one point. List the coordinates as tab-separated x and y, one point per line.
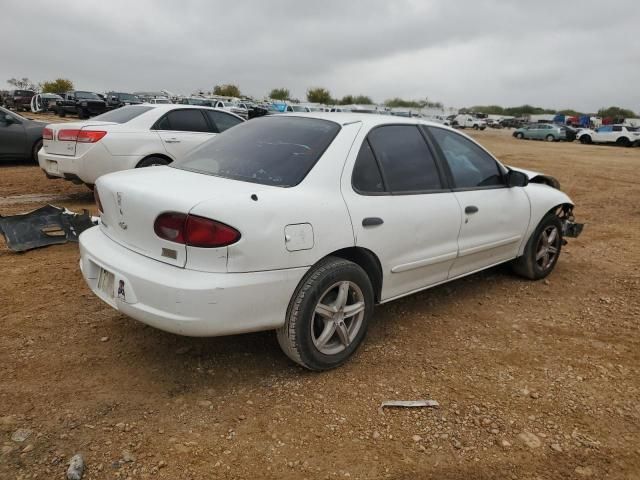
182	301
85	167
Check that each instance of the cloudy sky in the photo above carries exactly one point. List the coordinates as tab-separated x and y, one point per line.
579	54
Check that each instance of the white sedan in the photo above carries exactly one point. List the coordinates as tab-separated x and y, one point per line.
301	223
128	137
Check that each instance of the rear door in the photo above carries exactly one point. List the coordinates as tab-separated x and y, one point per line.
494	217
400	208
182	130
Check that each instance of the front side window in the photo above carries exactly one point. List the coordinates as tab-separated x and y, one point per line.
277	151
405	159
470	165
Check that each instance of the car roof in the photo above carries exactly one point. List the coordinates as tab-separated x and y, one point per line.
368	119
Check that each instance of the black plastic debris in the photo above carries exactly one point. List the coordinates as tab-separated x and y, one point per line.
48	225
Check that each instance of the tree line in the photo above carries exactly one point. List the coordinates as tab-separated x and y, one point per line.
59	85
523	110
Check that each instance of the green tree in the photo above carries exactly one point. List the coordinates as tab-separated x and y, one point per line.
401	103
319	95
616	112
280	94
568	112
59	85
227	90
488	109
356	100
22	83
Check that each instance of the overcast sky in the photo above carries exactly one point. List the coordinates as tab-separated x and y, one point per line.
579	54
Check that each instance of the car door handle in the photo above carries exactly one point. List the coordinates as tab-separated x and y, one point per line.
372	222
471	209
172	140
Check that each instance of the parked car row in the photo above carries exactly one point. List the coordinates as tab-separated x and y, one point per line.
622	135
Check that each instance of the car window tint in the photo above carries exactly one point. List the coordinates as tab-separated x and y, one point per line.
221	121
123	114
405	159
277	151
617	129
470	165
187	121
366	174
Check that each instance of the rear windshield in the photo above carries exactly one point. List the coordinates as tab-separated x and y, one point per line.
278	151
87	95
123	114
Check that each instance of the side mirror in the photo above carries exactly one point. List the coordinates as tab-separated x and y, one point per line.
8	119
517	179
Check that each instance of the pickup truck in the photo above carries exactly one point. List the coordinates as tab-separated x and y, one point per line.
83	104
468	121
119	99
19	100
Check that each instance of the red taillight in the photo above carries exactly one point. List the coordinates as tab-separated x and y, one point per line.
90	136
96	197
82	136
170	226
47	134
194	231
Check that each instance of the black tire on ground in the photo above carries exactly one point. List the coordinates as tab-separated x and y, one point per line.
476	127
34	151
585	139
623	142
519	135
153	162
542	250
61	112
550	138
320	341
82	114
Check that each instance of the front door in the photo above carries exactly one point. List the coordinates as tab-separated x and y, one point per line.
12	137
494	217
183	130
399	208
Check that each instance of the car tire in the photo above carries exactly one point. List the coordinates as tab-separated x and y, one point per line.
61	112
585	140
550	138
542	250
476	127
519	136
623	142
317	335
34	151
153	162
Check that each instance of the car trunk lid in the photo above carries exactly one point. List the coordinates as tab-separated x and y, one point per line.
133	199
57	146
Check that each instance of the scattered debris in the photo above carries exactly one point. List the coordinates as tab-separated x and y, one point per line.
409	403
76	468
21	435
530	439
48	225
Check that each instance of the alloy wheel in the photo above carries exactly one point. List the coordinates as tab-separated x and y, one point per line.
548	247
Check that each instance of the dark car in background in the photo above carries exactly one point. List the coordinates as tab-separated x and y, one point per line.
80	103
120	99
20	138
19	100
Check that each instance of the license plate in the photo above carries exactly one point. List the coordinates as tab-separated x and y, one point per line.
106	282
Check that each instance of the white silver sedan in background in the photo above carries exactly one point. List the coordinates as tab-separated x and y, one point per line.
128	137
302	222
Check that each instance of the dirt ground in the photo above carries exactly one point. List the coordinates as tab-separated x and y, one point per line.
535	380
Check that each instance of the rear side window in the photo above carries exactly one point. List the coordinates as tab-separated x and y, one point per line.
278	151
123	114
191	120
470	165
405	159
366	174
221	121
